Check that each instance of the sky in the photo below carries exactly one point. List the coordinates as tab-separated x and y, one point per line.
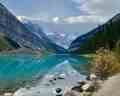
69	16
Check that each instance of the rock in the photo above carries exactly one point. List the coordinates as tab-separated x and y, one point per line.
88	77
27	87
86	94
54	79
89	87
50	77
47	84
52	82
85	87
81	83
71	93
8	94
61	76
93	77
77	88
20	92
58	92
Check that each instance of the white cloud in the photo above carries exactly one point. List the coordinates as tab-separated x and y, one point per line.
97	11
101	7
69	20
56	19
86	19
45	19
22	18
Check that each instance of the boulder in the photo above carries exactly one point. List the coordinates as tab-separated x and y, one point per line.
89	87
91	77
78	88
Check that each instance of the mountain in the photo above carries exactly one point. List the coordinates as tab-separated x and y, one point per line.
46	42
105	35
12	28
23	34
60	33
62	39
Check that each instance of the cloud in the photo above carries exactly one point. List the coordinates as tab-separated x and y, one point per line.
68	20
101	7
86	19
56	19
67	11
87	14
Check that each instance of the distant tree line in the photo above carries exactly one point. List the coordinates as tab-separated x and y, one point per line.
106	36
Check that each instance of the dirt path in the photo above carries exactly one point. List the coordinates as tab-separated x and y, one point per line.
111	87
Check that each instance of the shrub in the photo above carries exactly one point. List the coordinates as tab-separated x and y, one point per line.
105	64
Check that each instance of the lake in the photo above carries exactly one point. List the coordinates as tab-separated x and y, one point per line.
19	69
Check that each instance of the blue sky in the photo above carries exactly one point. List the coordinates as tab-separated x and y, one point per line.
61	8
66	15
38	8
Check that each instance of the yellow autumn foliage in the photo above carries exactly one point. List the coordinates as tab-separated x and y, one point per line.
105	63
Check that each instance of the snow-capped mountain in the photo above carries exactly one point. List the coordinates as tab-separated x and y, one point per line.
26	35
53	31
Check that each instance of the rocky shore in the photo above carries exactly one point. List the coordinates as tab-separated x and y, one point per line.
53	83
60	85
86	87
38	52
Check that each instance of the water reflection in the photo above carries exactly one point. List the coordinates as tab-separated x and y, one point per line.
17	68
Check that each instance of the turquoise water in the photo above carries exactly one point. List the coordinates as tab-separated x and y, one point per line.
22	67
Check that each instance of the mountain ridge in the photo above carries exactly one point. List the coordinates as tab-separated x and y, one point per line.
17	31
105	35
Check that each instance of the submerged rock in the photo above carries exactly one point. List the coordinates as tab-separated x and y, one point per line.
8	94
61	76
58	92
20	92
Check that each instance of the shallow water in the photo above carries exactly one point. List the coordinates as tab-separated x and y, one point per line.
17	69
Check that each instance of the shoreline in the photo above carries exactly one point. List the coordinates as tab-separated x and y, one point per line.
47	84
